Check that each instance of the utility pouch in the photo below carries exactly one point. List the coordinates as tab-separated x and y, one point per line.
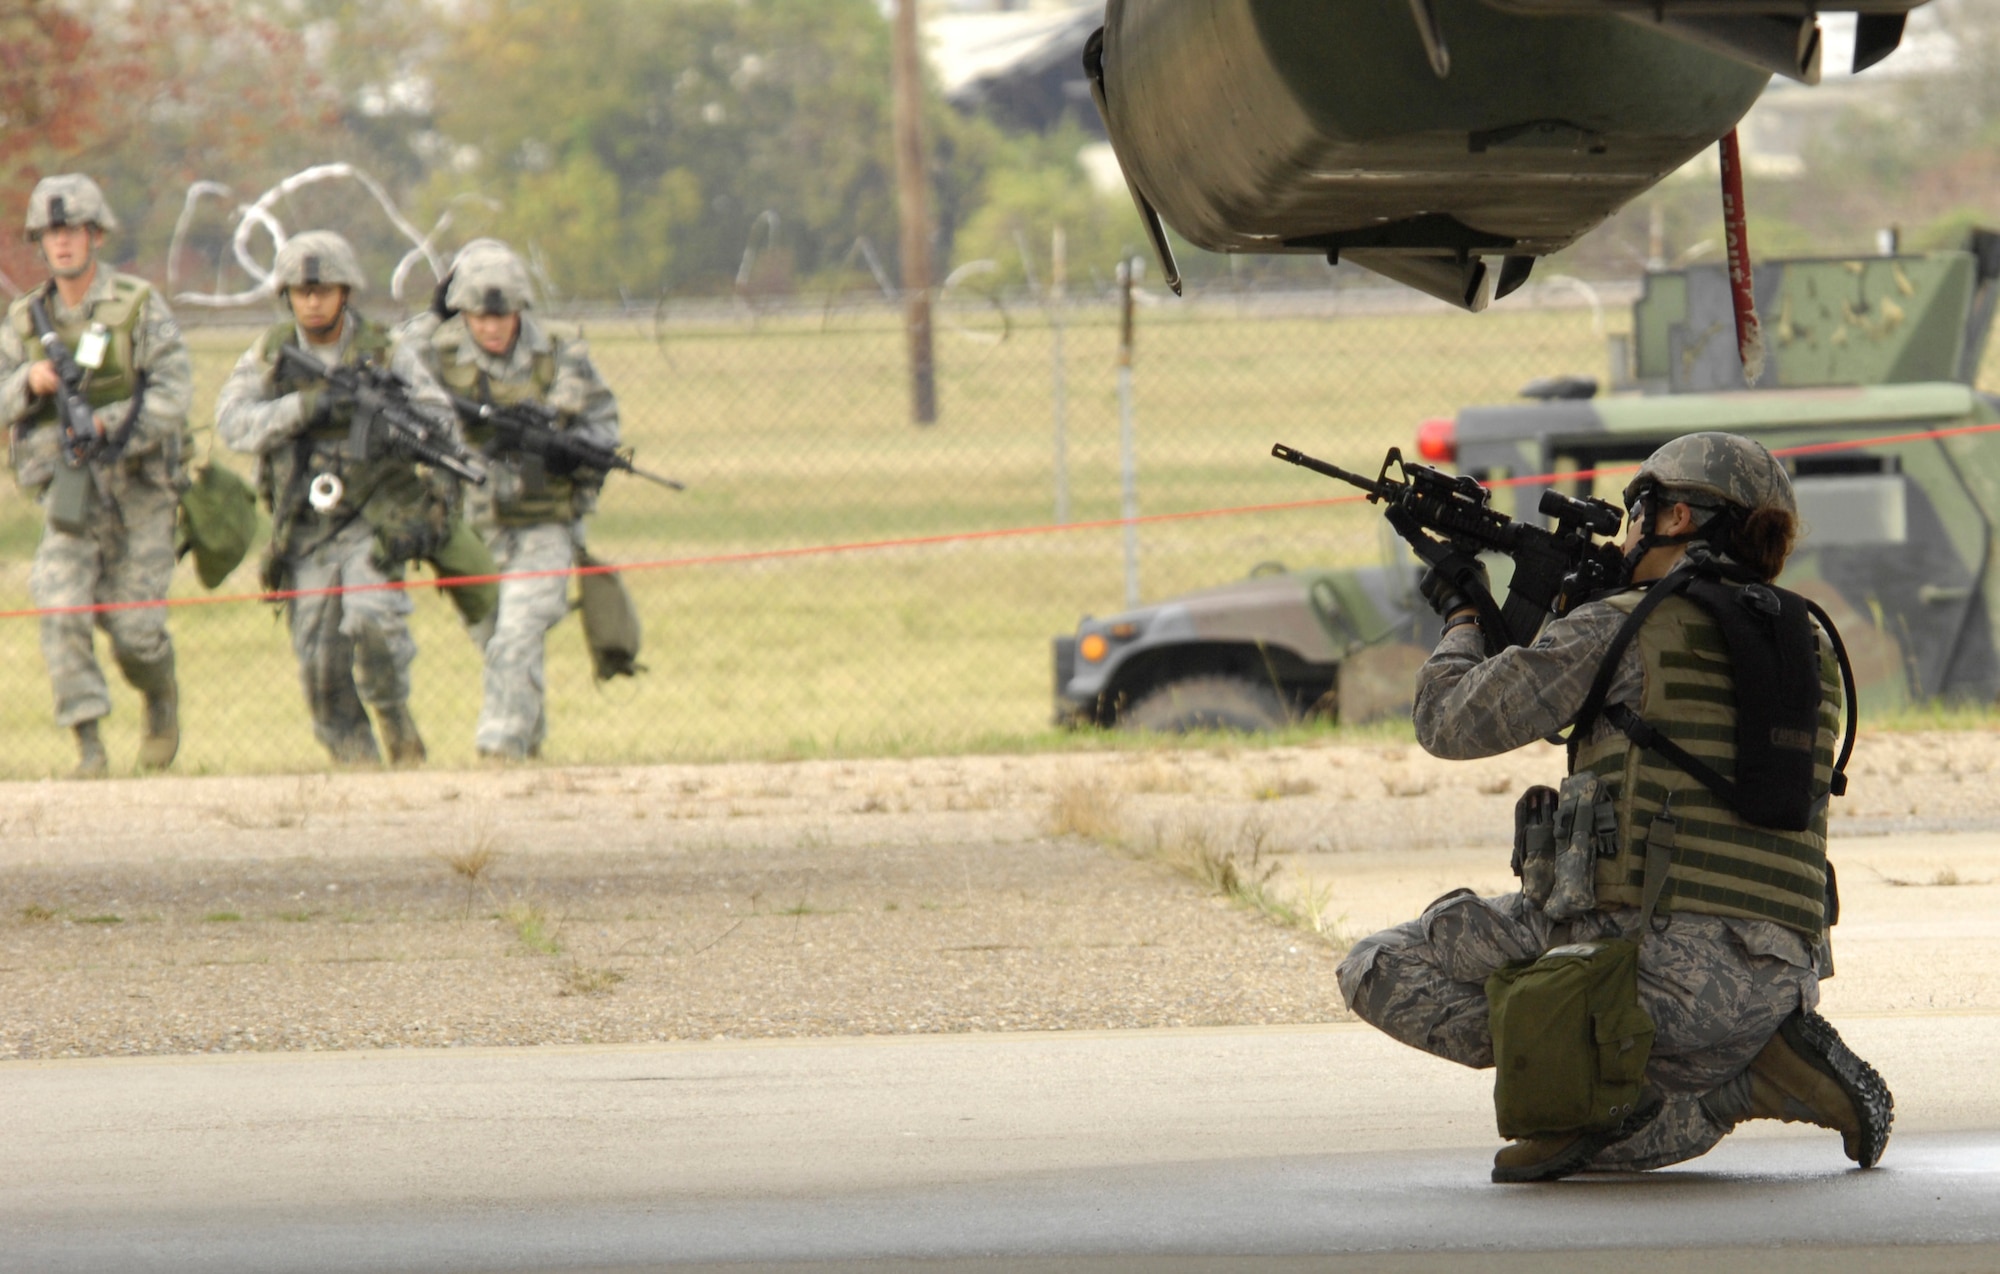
1535	842
610	621
71	493
1570	1041
1586	822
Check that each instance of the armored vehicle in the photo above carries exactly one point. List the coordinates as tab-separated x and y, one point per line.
1868	396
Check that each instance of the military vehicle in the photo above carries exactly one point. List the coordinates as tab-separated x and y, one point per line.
1899	534
1420	138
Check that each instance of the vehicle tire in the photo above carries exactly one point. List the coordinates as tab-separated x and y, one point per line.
1209	702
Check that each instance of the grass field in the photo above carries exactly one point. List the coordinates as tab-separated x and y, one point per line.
794	432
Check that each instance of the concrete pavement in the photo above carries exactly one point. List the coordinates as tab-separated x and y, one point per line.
980	1151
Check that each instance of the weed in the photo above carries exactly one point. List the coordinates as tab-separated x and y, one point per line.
1495	786
1157	777
105	919
531	927
576	978
35	912
1239	867
295	917
471	861
221	917
1085	808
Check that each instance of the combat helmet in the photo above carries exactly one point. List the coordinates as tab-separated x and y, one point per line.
487	277
1710	469
317	256
68	199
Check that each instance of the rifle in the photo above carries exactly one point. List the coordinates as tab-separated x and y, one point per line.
1441	516
382	408
81	443
531	428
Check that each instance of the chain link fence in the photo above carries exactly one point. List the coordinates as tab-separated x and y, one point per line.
791	427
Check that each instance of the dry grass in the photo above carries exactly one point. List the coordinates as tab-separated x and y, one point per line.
1087	808
577	978
531	927
1276	787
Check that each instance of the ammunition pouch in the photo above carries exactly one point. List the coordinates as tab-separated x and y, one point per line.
1570	1041
611	627
72	493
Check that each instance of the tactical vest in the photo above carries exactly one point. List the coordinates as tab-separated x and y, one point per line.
121	312
1722	865
383	489
523	493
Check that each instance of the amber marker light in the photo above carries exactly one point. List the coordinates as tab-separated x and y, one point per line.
1437	440
1093	647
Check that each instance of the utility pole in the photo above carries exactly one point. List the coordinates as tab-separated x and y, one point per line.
914	205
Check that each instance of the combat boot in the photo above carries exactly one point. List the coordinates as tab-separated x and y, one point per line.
92	763
1807	1075
161	741
1561	1154
399	735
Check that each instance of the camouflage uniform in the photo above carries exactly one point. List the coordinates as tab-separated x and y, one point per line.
352	647
1717	987
127	551
527	537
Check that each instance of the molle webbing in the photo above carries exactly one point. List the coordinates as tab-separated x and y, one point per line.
1722	864
113	381
538	496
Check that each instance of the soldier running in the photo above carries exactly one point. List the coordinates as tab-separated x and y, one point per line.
337	521
1729	973
483	345
111	498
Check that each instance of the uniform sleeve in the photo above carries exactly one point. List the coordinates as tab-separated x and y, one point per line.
15	400
247	417
158	351
581	394
409	365
1470	706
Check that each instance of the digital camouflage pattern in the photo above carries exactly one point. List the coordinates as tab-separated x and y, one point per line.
68	199
1469	706
1717	989
513	719
1725	466
487	277
352	648
318	256
128	553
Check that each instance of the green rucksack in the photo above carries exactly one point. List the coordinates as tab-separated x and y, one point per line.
463	555
218	519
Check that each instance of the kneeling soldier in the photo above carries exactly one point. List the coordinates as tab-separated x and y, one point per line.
1705	705
111	483
485	348
339	520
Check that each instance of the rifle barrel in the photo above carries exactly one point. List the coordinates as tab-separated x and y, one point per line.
1376	489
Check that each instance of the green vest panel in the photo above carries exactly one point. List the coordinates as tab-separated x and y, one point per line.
384	489
458	372
1722	865
120	313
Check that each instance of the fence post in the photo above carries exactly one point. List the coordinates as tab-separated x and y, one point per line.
1058	390
1128	459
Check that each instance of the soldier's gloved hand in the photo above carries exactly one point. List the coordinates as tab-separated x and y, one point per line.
1448	585
397	545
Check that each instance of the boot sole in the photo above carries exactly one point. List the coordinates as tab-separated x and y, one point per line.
1813	1038
1576	1156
